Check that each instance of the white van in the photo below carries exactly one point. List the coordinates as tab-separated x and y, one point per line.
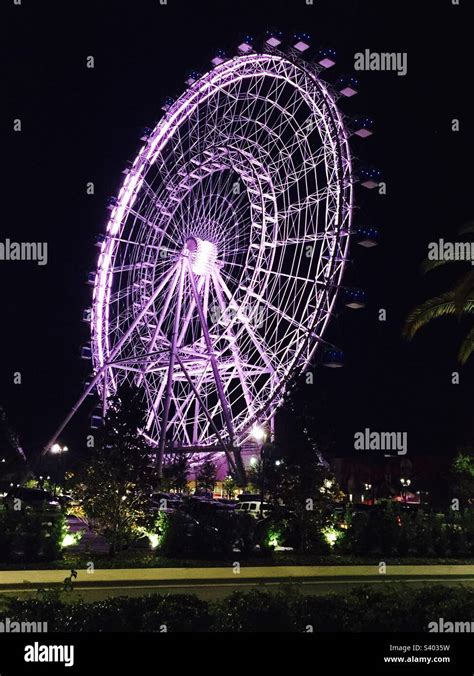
254	508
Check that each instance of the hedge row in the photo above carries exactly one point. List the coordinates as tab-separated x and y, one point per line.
30	536
360	610
393	532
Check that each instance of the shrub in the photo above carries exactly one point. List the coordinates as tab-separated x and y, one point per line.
30	536
254	611
209	536
178	613
364	609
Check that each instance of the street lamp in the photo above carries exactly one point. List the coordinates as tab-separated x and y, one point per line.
405	483
57	449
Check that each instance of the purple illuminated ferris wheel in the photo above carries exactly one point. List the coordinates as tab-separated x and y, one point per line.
225	249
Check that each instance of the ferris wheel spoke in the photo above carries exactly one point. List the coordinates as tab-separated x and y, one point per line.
166	303
169	381
234	349
262	351
276	310
219	386
205	411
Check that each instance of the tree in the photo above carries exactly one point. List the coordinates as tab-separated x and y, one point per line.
206	478
463	477
175	474
12	458
229	485
458	302
296	479
115	484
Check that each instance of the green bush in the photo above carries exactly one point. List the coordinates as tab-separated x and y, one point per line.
28	536
253	612
360	610
208	536
391	531
177	613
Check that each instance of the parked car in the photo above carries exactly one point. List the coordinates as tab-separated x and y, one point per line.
230	504
32	499
198	506
166	502
255	508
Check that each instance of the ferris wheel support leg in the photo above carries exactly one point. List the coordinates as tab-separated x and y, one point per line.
240	475
215	369
75	408
169	384
232	465
112	355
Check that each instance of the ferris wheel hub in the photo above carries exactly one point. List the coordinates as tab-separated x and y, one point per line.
203	255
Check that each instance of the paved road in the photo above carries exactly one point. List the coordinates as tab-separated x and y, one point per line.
217	591
215	583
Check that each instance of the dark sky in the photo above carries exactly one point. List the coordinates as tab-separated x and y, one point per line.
83	125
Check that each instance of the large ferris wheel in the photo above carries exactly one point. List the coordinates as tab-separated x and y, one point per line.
224	251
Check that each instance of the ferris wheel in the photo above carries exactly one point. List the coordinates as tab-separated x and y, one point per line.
225	248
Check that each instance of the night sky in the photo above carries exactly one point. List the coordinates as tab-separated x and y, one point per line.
81	125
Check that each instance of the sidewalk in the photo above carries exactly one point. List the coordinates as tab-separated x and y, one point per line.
24	579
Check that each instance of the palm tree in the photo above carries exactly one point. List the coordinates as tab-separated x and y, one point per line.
457	302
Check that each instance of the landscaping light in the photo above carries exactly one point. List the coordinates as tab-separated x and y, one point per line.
68	540
154	539
331	535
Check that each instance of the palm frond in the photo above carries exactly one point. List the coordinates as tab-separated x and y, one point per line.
464	292
467	228
467	347
428	264
433	308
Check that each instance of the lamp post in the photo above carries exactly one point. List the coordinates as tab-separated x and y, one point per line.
405	483
259	434
57	449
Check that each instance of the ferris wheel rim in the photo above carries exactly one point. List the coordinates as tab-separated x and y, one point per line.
148	156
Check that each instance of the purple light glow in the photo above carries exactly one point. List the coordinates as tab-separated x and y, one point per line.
265	227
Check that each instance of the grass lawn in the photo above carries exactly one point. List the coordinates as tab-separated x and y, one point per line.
145	559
